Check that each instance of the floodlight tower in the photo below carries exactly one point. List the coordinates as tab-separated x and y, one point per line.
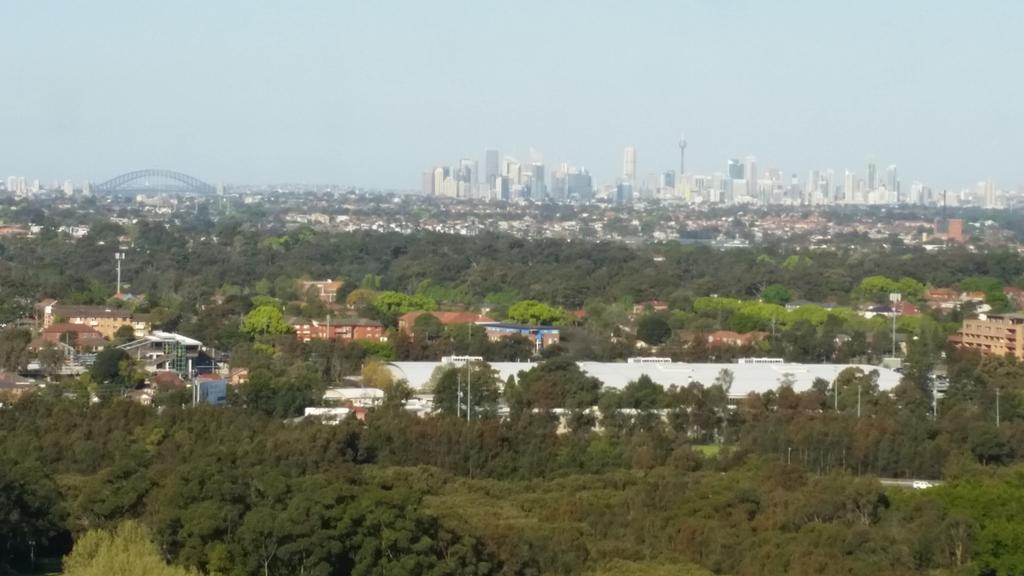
119	257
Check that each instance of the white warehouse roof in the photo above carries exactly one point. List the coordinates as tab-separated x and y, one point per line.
747	378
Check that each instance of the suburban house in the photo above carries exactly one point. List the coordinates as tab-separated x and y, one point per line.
735	339
104	319
899	309
942	298
650	305
12	386
326	290
341	330
794	305
407	320
1015	296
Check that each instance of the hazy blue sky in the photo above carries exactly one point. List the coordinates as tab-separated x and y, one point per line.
373	92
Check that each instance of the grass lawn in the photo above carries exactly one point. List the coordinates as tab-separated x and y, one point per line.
708	450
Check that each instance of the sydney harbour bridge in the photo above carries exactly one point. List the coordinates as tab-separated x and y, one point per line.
154	181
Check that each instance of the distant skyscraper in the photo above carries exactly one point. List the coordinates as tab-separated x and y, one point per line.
735	169
513	170
69	188
571	184
538	185
441	173
750	175
985	194
892	183
667	180
872	176
623	193
849	189
492	166
629	164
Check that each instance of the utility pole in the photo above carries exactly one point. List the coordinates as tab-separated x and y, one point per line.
835	387
469	378
458	396
858	399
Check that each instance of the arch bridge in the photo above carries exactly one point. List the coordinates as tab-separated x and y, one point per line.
154	180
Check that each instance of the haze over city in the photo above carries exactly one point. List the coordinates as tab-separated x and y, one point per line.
372	94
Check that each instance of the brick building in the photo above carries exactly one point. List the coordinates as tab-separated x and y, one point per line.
342	330
406	321
78	336
104	319
996	335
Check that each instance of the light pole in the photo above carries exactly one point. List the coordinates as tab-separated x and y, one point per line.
119	257
894	299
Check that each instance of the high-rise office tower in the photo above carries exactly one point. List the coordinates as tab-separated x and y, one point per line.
891	180
667	180
985	193
735	171
468	178
440	174
750	170
872	176
629	164
849	181
538	185
513	170
492	166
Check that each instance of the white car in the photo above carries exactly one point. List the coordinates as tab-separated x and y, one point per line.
921	484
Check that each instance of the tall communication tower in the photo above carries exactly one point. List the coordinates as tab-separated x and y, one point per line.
119	257
682	154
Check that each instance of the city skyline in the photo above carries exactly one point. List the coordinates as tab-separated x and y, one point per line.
739	181
238	93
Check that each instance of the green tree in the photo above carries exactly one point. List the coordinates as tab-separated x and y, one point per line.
14	348
478	384
264	320
394	303
31	515
427	328
51	360
124	333
108	371
534	312
653	329
776	294
126	551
